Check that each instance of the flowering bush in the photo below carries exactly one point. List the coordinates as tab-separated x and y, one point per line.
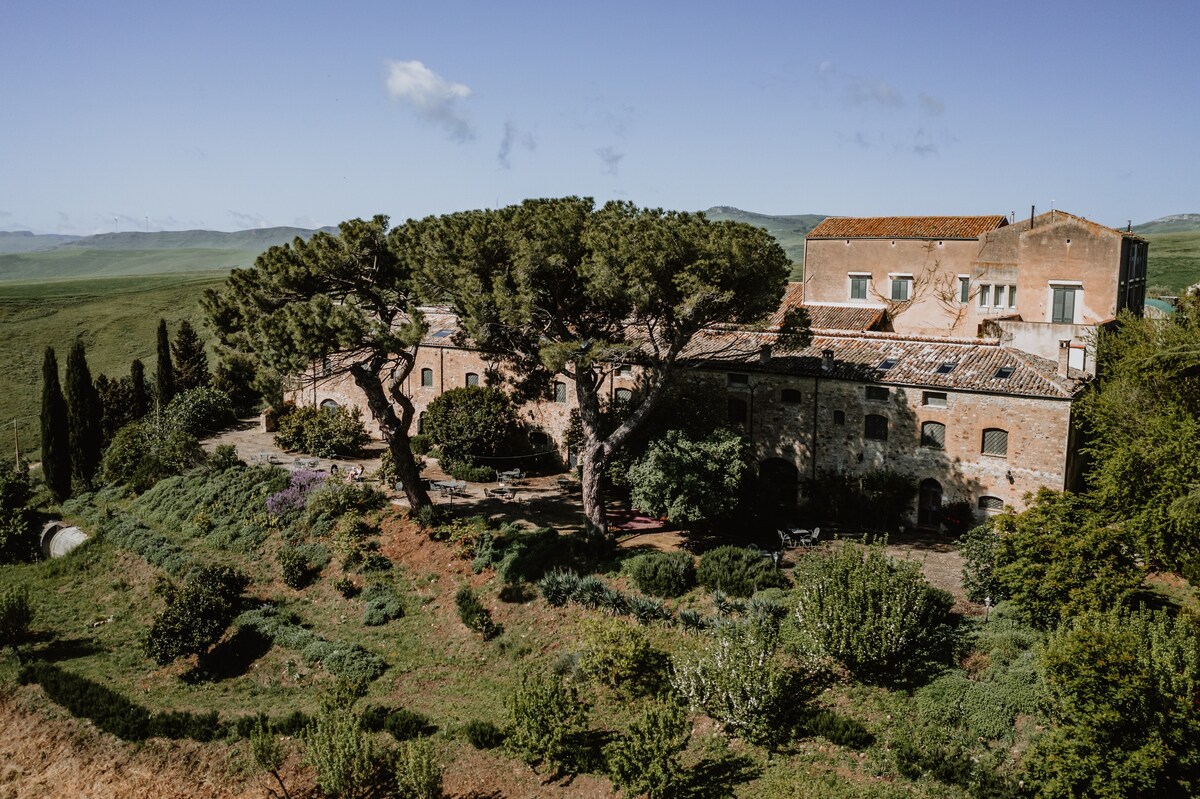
293	498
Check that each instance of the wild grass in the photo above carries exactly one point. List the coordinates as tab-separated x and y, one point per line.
115	317
1174	260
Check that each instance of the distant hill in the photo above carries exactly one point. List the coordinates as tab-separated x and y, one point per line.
789	231
12	241
1175	223
23	256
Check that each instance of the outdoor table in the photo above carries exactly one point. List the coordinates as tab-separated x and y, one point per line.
503	492
450	487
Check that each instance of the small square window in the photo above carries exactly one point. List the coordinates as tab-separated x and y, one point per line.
901	289
995	442
878	393
858	286
934	399
875	427
933	435
886	364
839	417
625	371
738	380
790	395
623	395
1005	372
947	367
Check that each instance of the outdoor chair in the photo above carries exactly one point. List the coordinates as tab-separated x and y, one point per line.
786	540
809	537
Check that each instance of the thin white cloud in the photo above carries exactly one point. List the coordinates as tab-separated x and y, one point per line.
513	136
434	98
931	105
248	221
610	158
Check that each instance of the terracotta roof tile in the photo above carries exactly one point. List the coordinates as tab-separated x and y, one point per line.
829	315
858	356
906	227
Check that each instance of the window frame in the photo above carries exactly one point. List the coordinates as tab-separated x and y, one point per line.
990	504
901	280
426	373
964	289
560	392
983	443
928	397
1058	302
623	394
930	441
880	426
471	380
877	393
860	281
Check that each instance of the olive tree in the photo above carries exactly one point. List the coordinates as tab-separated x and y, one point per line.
345	302
558	287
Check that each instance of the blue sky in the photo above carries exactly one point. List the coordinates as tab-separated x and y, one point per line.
222	115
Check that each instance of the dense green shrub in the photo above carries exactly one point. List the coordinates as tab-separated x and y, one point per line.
114	713
978	550
483	734
16	615
1059	557
740	681
227	507
323	432
224	456
473	614
346	661
645	761
401	723
873	614
294	568
18	533
346	758
345	586
691	479
420	444
142	453
618	655
1122	690
460	470
837	729
662	574
737	571
201	412
471	423
519	554
418	775
197	614
545	719
382	604
133	536
647	610
333	500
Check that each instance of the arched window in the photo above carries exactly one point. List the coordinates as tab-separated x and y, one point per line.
991	504
790	395
623	394
328	405
326	367
738	410
933	435
472	379
560	391
995	442
875	427
426	378
421	424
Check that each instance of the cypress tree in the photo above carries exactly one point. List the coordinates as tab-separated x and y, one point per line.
83	416
140	400
165	375
56	447
191	363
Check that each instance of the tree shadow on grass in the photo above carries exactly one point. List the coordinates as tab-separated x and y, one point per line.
54	650
231	658
717	777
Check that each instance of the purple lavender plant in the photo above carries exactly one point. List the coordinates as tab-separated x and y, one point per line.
300	484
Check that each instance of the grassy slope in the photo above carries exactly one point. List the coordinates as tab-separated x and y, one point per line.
1174	259
116	318
79	262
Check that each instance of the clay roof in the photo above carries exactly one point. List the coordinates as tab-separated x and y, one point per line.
1057	217
906	227
916	361
829	315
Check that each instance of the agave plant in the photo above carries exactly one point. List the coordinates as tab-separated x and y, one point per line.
691	620
558	586
647	610
590	592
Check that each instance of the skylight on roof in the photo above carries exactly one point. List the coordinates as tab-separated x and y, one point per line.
887	364
947	367
441	334
1005	372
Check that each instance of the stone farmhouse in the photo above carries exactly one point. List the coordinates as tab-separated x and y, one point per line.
948	348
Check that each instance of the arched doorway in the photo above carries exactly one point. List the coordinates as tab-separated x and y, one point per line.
329	405
929	504
778	482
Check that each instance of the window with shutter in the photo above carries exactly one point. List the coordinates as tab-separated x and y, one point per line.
933	435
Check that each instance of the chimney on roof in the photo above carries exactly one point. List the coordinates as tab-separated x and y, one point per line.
764	354
1031	209
826	360
1064	357
1129	226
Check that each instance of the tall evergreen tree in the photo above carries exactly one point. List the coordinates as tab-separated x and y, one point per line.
83	416
165	375
140	398
56	447
191	363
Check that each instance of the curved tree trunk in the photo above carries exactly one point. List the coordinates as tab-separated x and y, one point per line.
393	428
